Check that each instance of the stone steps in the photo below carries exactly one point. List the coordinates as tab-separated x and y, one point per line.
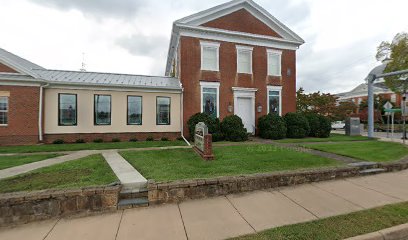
372	171
133	199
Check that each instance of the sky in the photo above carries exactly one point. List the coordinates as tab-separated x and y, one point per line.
132	36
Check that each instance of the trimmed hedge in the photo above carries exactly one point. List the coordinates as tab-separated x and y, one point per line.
233	129
297	125
212	124
320	126
272	126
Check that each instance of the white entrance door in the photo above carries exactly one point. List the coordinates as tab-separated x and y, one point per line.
245	110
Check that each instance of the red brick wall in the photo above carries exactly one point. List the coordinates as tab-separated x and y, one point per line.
4	68
191	75
22	116
242	21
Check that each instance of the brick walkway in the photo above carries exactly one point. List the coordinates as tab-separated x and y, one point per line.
229	216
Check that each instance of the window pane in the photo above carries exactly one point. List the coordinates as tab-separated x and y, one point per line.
67	109
102	110
163	111
274	65
3	103
134	110
244	61
209	58
210	101
274	102
3	118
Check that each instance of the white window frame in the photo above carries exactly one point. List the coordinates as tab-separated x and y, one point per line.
275	88
215	85
215	46
275	53
6	111
245	49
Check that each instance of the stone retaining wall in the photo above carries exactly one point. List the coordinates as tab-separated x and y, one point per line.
24	207
172	192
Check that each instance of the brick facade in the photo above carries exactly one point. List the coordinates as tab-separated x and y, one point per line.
242	21
191	75
6	69
22	116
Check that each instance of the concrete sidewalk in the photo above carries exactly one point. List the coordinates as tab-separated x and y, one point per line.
224	217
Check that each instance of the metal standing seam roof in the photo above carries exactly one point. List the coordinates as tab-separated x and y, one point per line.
107	79
18	63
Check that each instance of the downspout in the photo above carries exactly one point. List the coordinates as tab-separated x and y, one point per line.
182	117
40	113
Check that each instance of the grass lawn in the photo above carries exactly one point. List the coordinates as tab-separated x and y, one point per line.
13	161
176	164
333	138
87	146
373	151
339	227
89	171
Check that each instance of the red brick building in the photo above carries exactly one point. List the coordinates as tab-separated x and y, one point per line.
235	58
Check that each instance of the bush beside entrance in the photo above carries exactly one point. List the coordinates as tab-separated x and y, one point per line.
272	126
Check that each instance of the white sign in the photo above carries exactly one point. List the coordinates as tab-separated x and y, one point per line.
388	106
200	131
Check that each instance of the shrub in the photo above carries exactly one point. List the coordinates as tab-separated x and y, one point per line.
150	139
80	141
58	141
212	124
164	139
325	127
320	126
133	140
98	140
233	129
116	140
297	125
272	126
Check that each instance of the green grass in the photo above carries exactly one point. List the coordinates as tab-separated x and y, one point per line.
373	151
176	164
89	171
339	227
333	138
13	161
87	146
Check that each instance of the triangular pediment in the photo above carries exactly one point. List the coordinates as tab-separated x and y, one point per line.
241	16
6	69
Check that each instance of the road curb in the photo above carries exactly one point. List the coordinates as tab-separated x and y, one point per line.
395	233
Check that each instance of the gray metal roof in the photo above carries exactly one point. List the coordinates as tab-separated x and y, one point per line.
107	79
362	90
20	64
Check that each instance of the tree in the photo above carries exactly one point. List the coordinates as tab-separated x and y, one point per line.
319	103
397	52
344	110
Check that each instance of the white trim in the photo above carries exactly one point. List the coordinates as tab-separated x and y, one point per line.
19	83
245	49
211	45
274	88
215	85
278	53
113	89
6	111
246	93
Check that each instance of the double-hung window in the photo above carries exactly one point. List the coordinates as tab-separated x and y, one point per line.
244	59
210	56
4	106
210	98
275	100
274	63
102	114
134	111
67	109
163	110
